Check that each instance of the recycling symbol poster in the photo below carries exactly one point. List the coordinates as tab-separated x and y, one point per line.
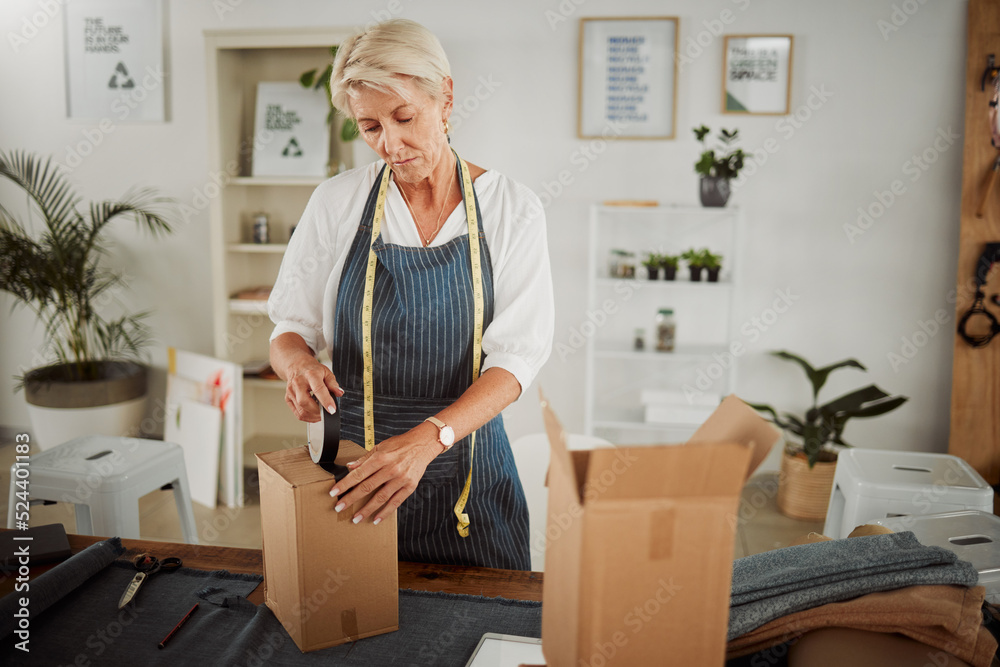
291	135
114	60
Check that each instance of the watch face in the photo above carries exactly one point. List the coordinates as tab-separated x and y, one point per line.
447	436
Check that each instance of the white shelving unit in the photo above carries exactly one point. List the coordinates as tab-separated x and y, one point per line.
236	62
702	363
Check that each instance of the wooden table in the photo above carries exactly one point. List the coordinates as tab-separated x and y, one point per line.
511	584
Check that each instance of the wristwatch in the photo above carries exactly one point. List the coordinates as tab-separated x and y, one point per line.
446	436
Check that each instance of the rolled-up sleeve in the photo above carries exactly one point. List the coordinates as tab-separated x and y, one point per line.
296	304
519	339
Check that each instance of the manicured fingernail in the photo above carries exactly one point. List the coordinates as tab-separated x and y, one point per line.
377	521
331	408
351	464
340	506
334	491
357	519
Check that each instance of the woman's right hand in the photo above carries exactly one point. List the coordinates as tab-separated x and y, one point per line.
306	379
305	376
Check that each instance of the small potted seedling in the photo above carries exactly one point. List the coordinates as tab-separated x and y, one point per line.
652	264
669	265
712	264
694	263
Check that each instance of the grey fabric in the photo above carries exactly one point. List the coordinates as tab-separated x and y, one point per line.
49	587
775	583
434	629
87	628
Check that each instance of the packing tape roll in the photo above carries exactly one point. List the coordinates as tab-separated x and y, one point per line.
324	443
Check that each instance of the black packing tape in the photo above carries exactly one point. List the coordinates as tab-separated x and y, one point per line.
324	443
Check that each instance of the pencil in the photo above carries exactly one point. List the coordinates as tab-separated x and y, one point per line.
178	626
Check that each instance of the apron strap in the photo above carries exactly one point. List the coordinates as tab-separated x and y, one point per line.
469	196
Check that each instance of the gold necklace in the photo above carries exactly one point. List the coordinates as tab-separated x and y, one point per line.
426	239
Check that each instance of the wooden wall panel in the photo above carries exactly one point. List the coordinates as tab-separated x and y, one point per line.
975	397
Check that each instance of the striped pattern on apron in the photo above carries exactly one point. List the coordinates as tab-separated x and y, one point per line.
422	330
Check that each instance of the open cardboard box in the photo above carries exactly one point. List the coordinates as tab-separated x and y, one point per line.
328	580
638	562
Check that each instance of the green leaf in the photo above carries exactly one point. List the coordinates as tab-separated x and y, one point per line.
700	132
880	408
349	130
853	401
324	78
705	164
307	79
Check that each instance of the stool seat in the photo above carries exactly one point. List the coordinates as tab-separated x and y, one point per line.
973	535
104	477
875	484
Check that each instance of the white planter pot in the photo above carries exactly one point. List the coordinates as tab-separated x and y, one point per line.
54	426
62	407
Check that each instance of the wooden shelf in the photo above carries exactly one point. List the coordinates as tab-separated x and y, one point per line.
251	381
665	284
605	350
277	248
295	181
247	307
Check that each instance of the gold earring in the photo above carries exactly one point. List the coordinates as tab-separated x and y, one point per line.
447	127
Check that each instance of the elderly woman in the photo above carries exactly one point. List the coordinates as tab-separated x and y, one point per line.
427	280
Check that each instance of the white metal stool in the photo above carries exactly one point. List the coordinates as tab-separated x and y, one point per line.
875	484
104	477
973	535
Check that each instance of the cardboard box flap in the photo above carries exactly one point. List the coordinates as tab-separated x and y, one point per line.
290	465
561	457
735	421
674	471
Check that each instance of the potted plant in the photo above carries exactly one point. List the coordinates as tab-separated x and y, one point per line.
693	260
341	155
669	265
810	459
717	165
652	264
54	269
712	264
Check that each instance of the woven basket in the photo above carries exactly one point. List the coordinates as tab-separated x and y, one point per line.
804	493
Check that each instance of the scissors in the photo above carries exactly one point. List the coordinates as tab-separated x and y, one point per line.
147	566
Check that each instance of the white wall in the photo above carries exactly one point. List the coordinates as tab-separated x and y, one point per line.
886	98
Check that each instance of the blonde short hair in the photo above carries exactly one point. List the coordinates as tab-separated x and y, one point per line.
375	57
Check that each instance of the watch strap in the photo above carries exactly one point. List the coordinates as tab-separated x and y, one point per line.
437	422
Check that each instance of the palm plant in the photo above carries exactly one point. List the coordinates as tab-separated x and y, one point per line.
823	425
53	266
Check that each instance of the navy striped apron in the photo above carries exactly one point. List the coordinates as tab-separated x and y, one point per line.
422	331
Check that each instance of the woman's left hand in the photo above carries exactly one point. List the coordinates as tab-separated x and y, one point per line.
390	472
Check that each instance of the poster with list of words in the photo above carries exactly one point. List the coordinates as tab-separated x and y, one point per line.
114	60
627	78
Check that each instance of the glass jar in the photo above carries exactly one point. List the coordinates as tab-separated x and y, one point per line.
621	263
666	330
639	340
261	228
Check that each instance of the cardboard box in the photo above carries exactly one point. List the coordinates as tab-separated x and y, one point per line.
638	562
327	580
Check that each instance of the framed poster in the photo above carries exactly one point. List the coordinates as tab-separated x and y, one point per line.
757	74
291	133
114	60
628	78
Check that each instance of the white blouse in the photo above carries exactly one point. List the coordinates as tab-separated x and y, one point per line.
519	339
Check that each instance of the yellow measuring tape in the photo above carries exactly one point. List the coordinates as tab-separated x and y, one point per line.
366	322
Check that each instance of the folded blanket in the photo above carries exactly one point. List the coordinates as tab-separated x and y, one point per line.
947	618
773	584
